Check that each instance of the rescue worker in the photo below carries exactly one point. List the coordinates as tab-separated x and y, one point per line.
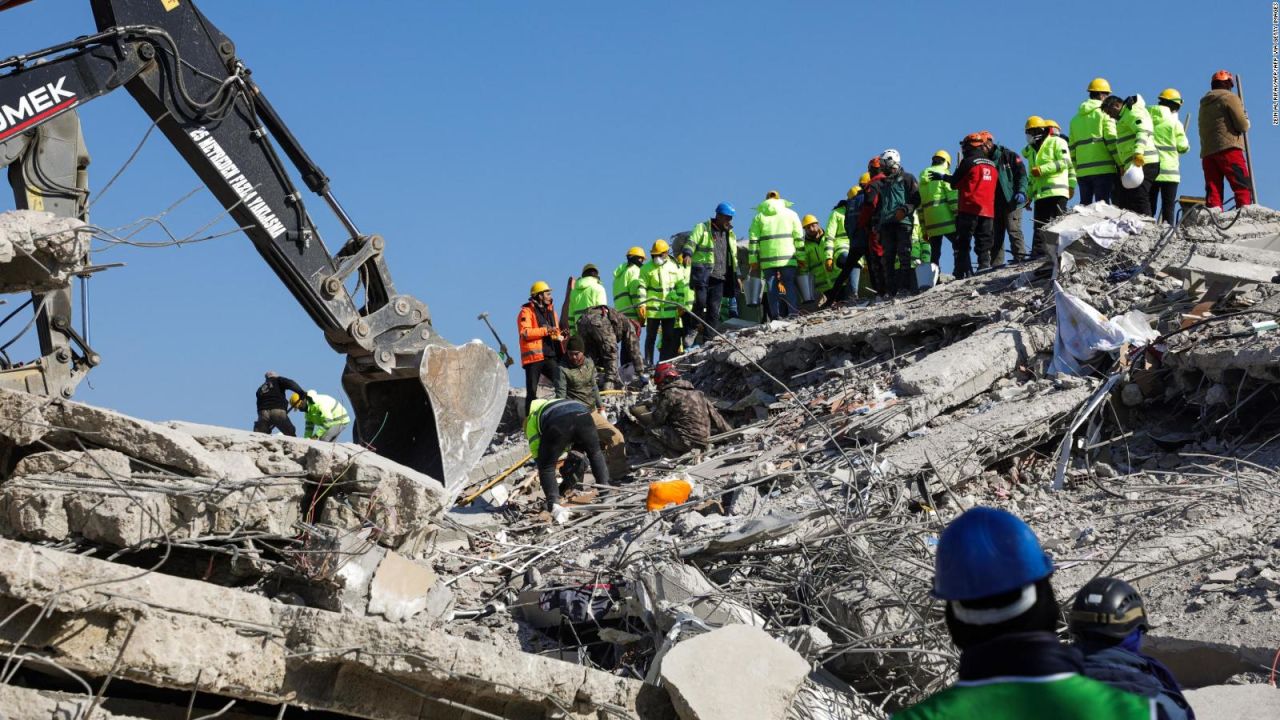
775	241
976	182
1093	139
711	255
1107	622
837	250
1011	195
896	197
862	233
1135	147
325	416
816	259
683	418
1056	131
1048	166
273	405
578	382
938	207
540	341
603	329
662	295
1223	123
588	292
554	427
1000	612
1171	141
626	284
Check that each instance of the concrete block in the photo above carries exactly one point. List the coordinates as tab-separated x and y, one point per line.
1235	702
731	673
102	464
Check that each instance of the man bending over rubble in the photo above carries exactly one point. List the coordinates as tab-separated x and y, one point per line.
554	427
273	405
683	418
1001	613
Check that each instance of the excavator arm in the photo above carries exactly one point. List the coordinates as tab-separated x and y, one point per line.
416	398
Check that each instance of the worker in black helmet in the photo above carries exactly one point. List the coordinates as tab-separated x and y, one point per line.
1108	621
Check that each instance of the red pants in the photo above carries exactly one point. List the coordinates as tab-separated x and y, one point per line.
1228	164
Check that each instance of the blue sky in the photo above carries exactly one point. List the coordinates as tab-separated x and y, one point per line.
494	144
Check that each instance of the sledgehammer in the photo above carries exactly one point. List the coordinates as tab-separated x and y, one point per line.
502	347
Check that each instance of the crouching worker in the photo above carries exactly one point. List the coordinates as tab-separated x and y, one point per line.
683	419
1108	621
1001	613
554	427
325	416
577	381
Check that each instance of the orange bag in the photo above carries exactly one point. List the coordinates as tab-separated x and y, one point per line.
667	492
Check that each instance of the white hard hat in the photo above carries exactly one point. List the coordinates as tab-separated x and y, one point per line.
1132	177
891	157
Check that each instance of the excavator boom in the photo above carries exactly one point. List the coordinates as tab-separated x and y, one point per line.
417	398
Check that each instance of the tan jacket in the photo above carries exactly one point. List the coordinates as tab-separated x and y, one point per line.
1222	122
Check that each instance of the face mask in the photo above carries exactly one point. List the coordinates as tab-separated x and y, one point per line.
1031	138
660	260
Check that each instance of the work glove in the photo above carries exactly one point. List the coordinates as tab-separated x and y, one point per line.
801	265
1020	198
754	267
1138	160
642	312
1035	172
682	259
938	176
830	264
900	214
680	311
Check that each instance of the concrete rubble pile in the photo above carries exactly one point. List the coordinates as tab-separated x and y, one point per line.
156	565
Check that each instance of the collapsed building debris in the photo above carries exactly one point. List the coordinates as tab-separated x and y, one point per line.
228	566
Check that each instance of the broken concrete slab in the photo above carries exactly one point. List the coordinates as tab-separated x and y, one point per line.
731	673
170	632
668	585
1235	702
22	420
40	251
400	587
20	703
101	464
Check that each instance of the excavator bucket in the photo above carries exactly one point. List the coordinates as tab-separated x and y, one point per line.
438	420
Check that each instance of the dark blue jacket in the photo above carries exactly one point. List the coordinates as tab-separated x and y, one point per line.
1135	673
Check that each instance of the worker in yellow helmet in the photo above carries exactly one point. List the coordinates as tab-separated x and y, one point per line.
775	246
1093	139
325	417
540	341
626	284
663	297
816	258
1171	142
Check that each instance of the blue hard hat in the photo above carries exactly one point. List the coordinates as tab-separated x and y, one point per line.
987	552
725	209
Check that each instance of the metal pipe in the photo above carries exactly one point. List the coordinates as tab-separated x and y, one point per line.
1248	157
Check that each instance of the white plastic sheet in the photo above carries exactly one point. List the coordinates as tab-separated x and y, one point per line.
1083	332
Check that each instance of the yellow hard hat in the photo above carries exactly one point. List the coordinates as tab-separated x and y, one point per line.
944	155
1051	124
864	178
660	246
1033	122
636	251
539	287
808	220
1099	85
295	401
853	191
1171	94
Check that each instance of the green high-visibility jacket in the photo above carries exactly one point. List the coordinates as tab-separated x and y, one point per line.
837	236
626	289
668	282
323	413
1134	134
776	236
703	245
533	423
1171	141
588	292
1053	158
938	202
815	260
1064	696
1093	139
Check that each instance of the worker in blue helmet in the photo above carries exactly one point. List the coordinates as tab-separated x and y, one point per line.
712	251
1000	610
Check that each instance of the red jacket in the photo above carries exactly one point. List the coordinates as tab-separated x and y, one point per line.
976	181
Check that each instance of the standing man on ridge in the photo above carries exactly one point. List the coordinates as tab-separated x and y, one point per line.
711	251
540	341
775	241
1093	139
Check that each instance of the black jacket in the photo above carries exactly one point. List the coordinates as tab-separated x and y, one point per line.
271	393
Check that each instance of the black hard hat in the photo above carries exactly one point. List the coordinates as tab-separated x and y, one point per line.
1107	606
